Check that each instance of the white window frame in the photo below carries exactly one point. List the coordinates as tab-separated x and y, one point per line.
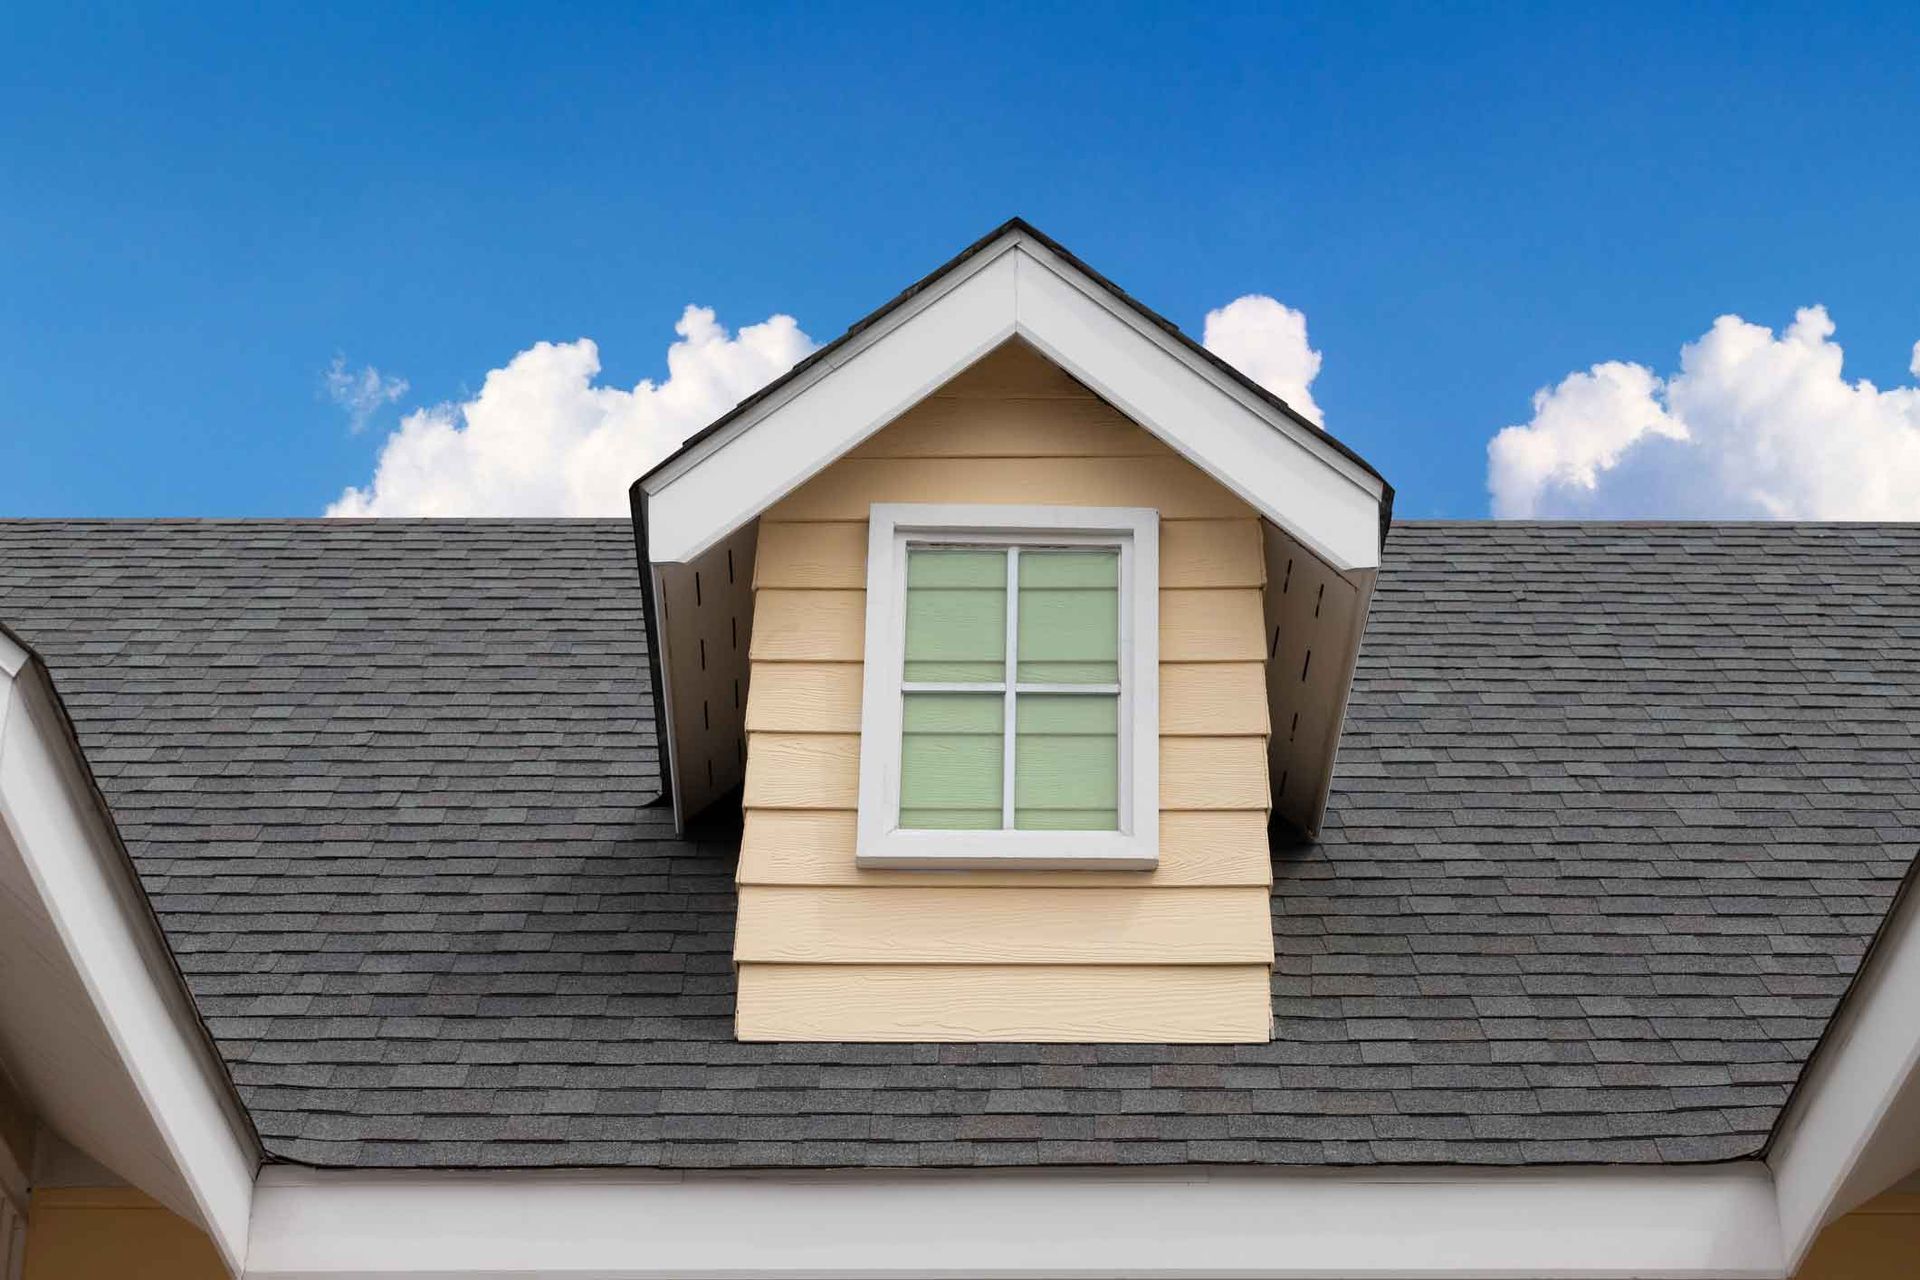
1135	532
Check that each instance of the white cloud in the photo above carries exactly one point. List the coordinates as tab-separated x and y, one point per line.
1267	340
362	392
541	439
1752	425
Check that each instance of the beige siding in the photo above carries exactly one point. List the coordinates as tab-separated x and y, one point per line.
1114	1003
113	1233
830	951
1878	1241
815	846
949	924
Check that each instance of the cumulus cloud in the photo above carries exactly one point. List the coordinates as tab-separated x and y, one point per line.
1267	340
542	439
361	392
1753	424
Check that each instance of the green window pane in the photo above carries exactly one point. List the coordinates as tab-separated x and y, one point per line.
1066	762
952	746
956	616
1069	617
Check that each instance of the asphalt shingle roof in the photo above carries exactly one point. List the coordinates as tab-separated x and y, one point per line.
1617	810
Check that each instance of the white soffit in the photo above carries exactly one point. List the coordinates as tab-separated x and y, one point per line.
1852	1129
1017	286
94	1023
1716	1222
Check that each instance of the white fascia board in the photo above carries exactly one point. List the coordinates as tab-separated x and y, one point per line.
52	818
739	473
1716	1222
1018	287
1853	1127
1306	487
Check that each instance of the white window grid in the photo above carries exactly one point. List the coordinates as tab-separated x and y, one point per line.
897	527
1010	686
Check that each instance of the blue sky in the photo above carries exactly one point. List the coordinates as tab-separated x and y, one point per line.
200	212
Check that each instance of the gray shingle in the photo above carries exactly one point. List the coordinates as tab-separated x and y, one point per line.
1616	811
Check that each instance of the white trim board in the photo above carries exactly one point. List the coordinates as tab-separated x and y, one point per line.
1852	1129
103	1040
1717	1222
1135	532
1017	287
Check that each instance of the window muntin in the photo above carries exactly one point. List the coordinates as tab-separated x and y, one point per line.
1011	706
1011	688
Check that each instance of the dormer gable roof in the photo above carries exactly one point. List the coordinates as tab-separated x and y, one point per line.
1018	282
1322	506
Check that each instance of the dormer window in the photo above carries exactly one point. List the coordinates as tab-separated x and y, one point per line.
1010	709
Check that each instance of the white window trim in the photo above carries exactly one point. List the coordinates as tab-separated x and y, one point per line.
1136	845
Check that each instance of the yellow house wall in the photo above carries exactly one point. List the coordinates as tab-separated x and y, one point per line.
1878	1241
110	1233
828	951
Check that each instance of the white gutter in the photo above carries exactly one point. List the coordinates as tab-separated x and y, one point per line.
1457	1224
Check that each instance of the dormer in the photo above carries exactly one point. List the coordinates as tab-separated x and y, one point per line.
1013	616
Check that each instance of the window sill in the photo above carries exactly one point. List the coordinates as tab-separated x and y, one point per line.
1009	850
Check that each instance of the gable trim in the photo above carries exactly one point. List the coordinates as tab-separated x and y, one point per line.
1852	1126
1018	284
54	820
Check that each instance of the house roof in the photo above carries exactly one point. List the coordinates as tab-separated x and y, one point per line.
1618	808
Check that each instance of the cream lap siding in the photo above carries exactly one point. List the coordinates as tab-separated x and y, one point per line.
828	951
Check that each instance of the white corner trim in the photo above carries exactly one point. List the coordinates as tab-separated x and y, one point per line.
1135	533
1853	1126
1283	469
52	819
1457	1225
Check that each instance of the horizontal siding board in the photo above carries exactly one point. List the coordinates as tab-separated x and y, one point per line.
1211	553
846	490
1213	773
816	846
1170	1004
810	697
809	626
825	555
969	925
1023	427
1201	699
1211	626
802	771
